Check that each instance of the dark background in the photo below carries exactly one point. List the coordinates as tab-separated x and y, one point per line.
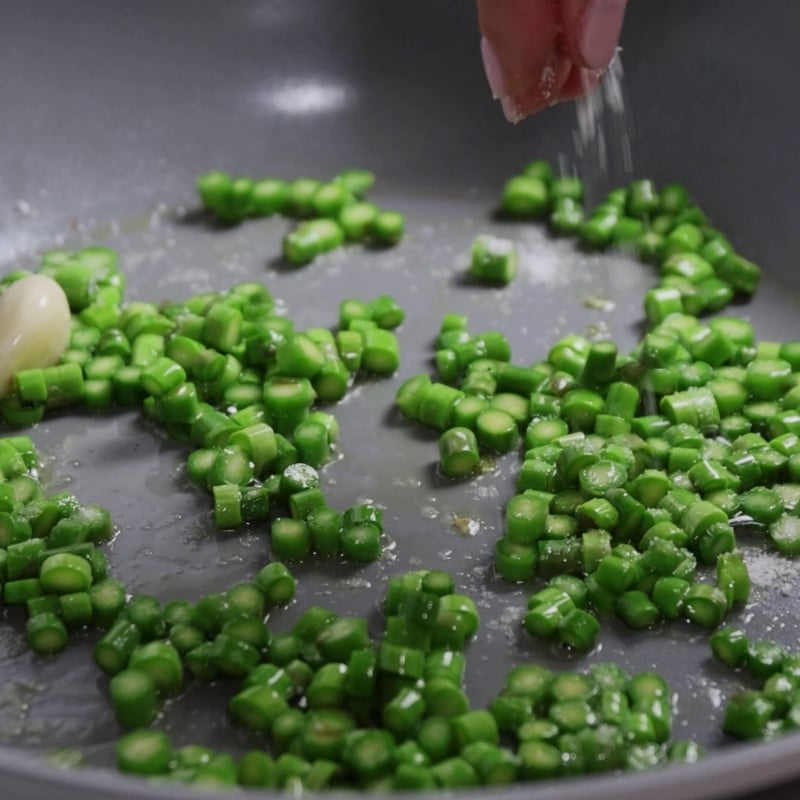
106	105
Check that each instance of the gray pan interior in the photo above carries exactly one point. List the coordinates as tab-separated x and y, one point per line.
109	112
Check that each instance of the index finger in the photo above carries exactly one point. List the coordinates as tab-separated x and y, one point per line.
524	65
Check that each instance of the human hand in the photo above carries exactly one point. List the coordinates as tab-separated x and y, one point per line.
539	52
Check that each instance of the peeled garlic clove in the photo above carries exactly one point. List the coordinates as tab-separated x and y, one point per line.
34	327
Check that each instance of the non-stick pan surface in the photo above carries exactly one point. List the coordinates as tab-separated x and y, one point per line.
110	110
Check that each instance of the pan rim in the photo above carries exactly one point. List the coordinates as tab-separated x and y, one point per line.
737	768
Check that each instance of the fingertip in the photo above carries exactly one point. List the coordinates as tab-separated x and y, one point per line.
580	82
545	92
520	36
512	112
591	30
528	49
495	74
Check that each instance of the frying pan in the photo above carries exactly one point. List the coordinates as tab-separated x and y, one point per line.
110	110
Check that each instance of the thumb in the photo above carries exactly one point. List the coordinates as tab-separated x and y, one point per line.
519	53
591	30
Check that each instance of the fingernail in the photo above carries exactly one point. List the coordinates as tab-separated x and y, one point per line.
511	110
493	69
599	32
